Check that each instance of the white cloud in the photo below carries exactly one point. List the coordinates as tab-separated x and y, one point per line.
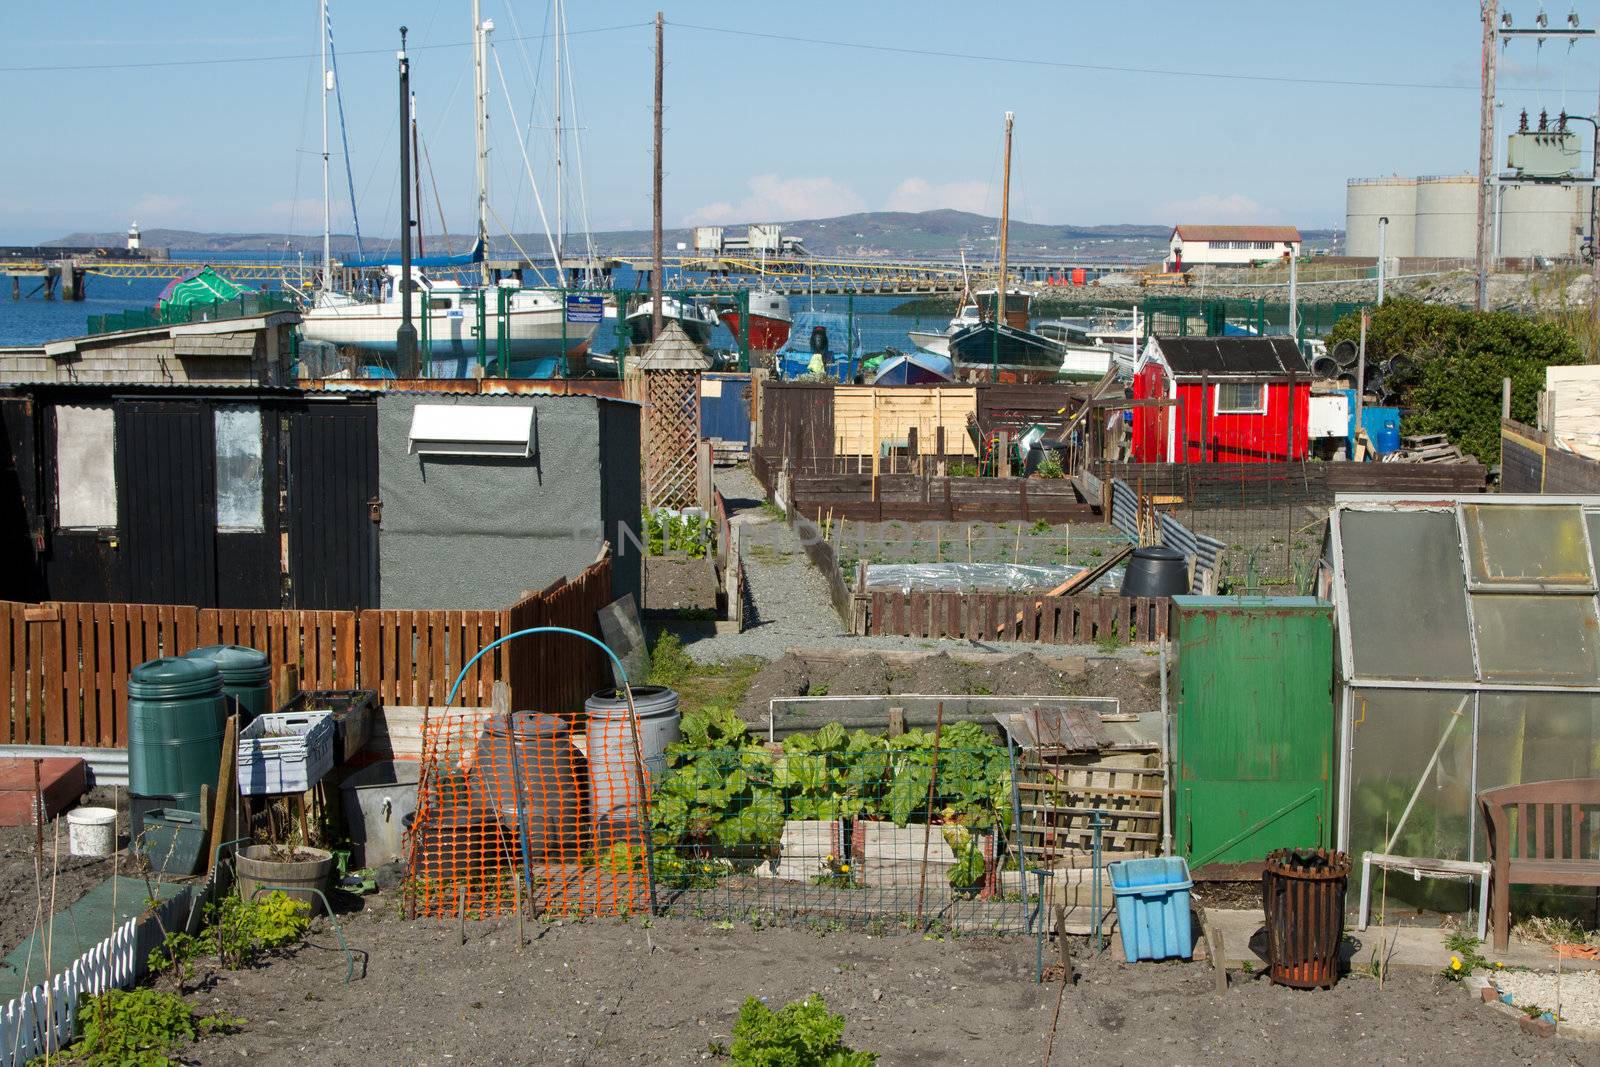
919	194
1217	208
774	199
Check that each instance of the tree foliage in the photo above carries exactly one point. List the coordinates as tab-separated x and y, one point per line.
1446	365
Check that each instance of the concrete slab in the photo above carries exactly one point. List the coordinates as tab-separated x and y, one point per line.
1413	948
62	779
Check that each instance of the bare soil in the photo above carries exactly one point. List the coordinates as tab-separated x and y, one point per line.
676	583
609	992
73	875
1135	683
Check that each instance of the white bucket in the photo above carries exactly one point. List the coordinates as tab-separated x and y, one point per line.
92	831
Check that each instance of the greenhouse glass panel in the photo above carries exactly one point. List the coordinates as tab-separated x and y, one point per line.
1593	520
1540	737
1403	585
1394	735
1521	544
1537	639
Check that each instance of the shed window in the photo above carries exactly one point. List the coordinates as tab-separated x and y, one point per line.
239	471
471	430
1241	398
86	468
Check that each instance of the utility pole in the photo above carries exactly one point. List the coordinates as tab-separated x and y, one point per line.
1294	296
1490	11
405	338
1383	264
1594	230
655	221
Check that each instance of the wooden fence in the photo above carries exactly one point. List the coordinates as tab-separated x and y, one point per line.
1529	463
1055	620
64	666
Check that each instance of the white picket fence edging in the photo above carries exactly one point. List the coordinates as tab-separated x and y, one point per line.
46	1016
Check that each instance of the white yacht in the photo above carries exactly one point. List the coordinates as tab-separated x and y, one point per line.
533	320
939	343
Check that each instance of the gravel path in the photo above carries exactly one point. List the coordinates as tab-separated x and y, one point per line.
1575	994
787	603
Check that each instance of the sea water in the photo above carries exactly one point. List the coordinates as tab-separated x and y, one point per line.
34	320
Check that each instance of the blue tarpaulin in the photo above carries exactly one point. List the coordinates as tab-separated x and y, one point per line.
426	262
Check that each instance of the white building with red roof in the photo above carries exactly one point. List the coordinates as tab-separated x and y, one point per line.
1234	246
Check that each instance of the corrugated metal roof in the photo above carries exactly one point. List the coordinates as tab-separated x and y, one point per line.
1255	357
1191	232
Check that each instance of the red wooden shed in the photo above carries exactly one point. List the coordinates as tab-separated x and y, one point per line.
1226	400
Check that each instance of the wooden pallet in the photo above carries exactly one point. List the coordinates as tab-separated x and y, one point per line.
1057	801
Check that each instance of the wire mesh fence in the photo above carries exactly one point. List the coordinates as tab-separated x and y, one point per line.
923	829
513	814
837	826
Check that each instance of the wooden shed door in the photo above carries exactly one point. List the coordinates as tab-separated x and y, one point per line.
333	480
166	490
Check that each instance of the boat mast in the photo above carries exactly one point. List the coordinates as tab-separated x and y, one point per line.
655	215
480	45
1005	219
1005	226
327	86
561	228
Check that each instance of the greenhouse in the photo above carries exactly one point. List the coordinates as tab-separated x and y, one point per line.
1469	646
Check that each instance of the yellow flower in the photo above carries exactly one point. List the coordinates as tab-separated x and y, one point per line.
1455	963
844	868
1498	965
830	858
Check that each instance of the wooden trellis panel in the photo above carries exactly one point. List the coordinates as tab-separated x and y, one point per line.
672	439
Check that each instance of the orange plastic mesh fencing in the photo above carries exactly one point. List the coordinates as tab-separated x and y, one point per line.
530	799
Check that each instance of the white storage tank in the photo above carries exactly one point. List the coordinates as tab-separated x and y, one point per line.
1542	220
1447	217
1369	199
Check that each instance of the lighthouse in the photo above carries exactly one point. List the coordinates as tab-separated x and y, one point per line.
133	237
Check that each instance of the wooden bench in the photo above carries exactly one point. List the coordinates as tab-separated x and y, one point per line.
1545	846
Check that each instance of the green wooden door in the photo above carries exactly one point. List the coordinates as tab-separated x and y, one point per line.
1253	729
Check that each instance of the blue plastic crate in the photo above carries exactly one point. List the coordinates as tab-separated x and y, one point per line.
1153	907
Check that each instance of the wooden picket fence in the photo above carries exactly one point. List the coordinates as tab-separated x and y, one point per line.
64	666
1058	620
43	1018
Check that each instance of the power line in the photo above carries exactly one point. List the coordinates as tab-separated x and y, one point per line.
296	56
1099	67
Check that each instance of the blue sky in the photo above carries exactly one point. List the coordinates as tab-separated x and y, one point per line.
757	127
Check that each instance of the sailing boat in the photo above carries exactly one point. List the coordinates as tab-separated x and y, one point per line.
460	320
1001	348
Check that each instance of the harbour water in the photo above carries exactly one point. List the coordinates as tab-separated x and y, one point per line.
34	320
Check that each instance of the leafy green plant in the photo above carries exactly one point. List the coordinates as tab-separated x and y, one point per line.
1040	526
1050	466
665	531
1446	364
801	1034
718	793
238	930
137	1028
1464	957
